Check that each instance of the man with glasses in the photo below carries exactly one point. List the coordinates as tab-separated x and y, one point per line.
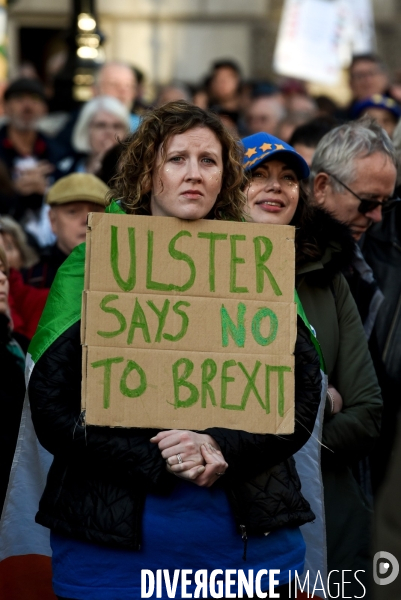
353	176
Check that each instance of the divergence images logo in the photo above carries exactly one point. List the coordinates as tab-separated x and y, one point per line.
385	568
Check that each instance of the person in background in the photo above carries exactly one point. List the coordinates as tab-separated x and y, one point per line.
118	79
114	79
175	90
265	113
12	388
224	85
19	253
306	137
26	153
367	76
353	176
353	402
384	110
102	122
70	199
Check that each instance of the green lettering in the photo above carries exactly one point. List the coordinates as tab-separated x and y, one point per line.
280	393
129	284
260	259
185	322
161	315
106	363
236	260
119	316
153	285
209	370
178	255
251	385
181	381
212	237
237	331
138	321
225	380
138	391
258	337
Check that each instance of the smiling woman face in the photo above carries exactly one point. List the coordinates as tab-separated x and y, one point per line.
186	183
273	194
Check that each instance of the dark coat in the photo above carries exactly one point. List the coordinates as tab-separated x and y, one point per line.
97	484
381	247
42	274
351	434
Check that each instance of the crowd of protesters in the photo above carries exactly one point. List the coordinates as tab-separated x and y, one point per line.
332	172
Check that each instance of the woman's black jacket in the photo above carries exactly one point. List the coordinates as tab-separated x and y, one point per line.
97	484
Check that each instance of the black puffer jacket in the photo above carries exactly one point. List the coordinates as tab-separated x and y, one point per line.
97	484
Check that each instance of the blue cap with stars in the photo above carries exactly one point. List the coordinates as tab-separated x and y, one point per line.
261	147
376	101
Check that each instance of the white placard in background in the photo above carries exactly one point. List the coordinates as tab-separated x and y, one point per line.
313	35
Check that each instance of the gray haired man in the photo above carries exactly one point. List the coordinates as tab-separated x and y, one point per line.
353	176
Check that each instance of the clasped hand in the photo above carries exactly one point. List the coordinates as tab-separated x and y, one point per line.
192	456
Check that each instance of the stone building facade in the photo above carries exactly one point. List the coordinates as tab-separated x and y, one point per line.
178	39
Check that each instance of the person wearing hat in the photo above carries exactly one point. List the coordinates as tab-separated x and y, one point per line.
70	199
24	151
324	246
384	110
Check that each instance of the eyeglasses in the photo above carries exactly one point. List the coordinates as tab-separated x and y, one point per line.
368	205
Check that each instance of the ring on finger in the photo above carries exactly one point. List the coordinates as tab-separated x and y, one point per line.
179	458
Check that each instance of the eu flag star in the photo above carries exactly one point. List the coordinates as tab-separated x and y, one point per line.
265	147
250	152
279	147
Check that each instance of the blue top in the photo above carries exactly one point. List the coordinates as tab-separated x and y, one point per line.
192	528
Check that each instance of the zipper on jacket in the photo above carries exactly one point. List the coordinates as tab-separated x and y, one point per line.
244	539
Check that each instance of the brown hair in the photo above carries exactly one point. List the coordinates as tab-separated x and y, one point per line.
3	259
10	227
306	246
133	183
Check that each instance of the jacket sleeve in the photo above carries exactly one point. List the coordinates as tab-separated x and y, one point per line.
350	434
250	454
55	400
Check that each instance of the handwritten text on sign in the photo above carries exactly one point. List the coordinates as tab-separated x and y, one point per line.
188	324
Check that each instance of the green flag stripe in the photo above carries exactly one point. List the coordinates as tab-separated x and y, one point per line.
315	342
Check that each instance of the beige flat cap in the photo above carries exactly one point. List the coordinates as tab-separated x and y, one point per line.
78	187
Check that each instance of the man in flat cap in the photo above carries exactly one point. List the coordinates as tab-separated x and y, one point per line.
24	152
70	199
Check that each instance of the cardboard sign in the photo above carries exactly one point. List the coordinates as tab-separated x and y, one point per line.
188	324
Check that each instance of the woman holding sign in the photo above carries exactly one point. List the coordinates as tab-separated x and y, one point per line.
121	501
353	405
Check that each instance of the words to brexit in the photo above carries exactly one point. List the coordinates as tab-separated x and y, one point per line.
208	382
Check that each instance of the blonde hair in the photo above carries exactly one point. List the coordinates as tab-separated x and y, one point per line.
133	183
3	259
12	228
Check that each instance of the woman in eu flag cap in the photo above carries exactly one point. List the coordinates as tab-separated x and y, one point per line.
276	193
